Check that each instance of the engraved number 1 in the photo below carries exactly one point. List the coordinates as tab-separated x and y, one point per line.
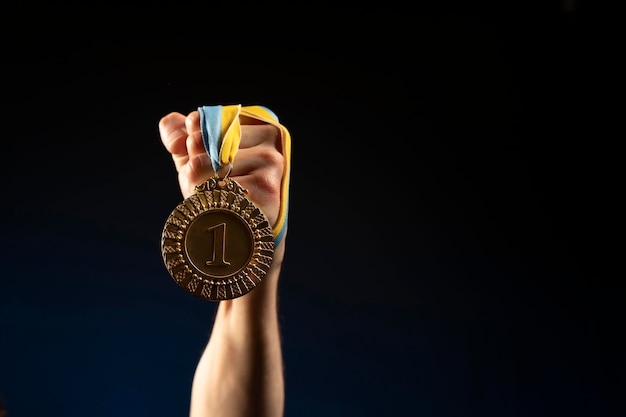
219	245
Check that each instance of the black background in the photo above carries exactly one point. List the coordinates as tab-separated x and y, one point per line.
447	248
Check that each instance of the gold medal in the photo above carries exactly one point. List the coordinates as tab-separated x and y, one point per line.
217	244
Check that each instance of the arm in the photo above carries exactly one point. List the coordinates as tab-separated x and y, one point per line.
240	372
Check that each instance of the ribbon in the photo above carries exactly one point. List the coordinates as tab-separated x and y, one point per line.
221	134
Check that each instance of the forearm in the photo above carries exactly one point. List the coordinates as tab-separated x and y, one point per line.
240	372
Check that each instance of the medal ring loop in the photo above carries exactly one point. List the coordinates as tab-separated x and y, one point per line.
230	169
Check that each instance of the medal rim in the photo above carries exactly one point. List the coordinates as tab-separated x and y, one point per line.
190	277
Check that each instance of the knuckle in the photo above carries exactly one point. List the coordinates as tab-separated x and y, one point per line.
269	176
270	157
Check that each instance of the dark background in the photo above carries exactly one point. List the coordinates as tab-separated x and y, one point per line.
449	211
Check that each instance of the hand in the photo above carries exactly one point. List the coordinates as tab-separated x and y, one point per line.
258	165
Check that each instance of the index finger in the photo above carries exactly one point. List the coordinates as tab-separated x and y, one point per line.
173	134
260	134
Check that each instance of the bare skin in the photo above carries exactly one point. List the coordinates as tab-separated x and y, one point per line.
240	372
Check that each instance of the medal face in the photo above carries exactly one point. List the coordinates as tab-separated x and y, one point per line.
217	244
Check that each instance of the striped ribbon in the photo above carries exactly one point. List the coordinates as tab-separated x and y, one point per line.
221	133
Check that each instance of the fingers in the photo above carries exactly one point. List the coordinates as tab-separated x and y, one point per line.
259	158
195	144
173	133
174	137
182	135
263	162
260	171
255	135
259	161
196	171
